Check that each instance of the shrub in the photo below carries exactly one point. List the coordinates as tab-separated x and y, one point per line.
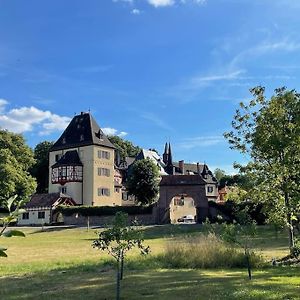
104	210
204	252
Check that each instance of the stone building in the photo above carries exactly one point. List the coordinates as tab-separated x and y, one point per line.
82	164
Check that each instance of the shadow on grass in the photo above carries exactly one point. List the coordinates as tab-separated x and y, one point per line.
97	281
52	229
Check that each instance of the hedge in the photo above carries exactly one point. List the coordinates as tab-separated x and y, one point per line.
230	209
104	210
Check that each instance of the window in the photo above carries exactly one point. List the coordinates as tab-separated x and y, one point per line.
210	189
124	196
81	153
103	172
58	157
63	189
103	192
179	201
81	137
25	216
103	154
41	215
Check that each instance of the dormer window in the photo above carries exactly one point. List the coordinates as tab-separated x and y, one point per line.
63	140
81	137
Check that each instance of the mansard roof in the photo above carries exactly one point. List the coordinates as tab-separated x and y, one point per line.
83	130
70	158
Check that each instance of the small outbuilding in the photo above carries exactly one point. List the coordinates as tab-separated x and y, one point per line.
41	209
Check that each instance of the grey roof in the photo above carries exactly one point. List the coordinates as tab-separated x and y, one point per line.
181	180
70	158
203	168
48	200
83	130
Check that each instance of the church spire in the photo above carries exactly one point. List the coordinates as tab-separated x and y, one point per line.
170	160
166	154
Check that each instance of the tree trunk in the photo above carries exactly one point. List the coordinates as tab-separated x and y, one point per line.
122	266
289	221
118	281
248	263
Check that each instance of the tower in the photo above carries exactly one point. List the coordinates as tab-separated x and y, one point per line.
81	163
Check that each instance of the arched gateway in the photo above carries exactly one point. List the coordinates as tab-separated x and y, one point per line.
174	185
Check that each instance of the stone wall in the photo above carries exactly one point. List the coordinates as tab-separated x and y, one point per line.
106	220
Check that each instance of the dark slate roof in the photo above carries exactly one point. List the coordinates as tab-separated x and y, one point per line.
182	180
70	158
203	168
83	130
126	163
46	200
190	167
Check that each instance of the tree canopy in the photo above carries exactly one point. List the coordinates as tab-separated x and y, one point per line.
124	147
15	160
143	181
40	170
268	130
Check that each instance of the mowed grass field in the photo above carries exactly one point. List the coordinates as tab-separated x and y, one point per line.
60	263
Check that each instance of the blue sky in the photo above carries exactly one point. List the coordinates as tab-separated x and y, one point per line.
149	70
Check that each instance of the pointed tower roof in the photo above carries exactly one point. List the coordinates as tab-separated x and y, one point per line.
170	159
166	149
83	130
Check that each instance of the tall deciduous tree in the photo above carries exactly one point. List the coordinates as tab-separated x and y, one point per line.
40	170
125	148
143	181
15	160
269	131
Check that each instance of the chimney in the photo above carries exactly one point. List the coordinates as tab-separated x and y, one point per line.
181	166
198	168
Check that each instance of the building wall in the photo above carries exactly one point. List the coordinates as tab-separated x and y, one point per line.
178	211
86	193
106	220
212	195
33	217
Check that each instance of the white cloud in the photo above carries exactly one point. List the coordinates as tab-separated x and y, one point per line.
162	3
158	3
136	11
200	141
113	131
3	103
26	119
216	77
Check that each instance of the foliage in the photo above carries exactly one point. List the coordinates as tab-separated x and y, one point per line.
104	210
219	174
236	194
125	148
268	130
143	181
204	251
10	218
240	234
16	158
118	240
40	170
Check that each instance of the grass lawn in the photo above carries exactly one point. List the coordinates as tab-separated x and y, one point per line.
61	264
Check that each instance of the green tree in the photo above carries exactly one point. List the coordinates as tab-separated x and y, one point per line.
143	181
125	148
268	130
16	158
40	170
118	240
219	174
12	216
